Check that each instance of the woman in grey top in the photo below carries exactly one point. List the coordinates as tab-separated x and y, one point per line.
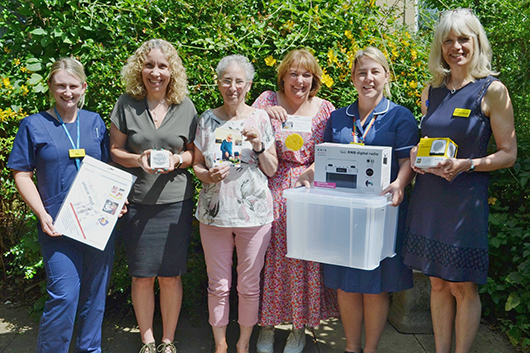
156	114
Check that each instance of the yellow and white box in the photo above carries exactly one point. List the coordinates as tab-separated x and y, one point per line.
433	150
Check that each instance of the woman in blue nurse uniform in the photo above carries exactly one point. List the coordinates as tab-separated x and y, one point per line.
77	274
372	120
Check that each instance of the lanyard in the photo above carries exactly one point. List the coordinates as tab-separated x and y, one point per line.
363	137
75	147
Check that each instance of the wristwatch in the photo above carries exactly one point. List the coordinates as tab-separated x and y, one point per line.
260	151
177	166
472	168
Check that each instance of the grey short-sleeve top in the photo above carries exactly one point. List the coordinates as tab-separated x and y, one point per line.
132	117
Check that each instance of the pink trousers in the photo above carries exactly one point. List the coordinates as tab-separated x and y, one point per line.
251	244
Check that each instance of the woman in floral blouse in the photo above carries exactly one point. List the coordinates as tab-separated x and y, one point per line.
235	203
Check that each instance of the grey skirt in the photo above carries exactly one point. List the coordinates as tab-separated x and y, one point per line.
156	238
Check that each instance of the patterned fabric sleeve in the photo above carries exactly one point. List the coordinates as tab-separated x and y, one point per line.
265	100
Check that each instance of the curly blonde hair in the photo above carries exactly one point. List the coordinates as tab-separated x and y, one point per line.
301	58
131	73
464	23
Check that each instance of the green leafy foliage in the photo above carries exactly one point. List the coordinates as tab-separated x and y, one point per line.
103	34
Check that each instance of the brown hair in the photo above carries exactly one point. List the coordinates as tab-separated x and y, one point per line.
301	58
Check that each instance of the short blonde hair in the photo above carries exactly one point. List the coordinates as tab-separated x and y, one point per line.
464	23
73	67
377	56
301	58
132	72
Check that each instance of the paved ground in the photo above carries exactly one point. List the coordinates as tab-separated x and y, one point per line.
18	334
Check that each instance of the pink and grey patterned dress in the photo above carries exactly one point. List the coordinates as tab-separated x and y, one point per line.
293	290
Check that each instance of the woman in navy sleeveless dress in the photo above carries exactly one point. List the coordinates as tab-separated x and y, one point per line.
447	236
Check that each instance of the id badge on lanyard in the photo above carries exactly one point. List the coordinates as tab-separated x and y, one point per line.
75	152
359	140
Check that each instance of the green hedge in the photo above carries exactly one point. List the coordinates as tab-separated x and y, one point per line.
102	34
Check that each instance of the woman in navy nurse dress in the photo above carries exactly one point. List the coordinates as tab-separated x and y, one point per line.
447	230
362	294
77	274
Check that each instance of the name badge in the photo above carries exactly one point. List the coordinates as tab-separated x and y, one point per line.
462	113
76	153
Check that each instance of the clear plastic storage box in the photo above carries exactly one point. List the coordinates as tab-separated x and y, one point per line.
340	228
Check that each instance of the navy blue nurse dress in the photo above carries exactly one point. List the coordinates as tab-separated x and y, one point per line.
396	127
447	232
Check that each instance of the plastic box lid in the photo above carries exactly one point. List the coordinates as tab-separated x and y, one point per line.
334	197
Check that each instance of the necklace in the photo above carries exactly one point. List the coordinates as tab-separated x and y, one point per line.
153	110
457	87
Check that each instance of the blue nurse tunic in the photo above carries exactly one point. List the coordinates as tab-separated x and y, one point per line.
394	126
77	274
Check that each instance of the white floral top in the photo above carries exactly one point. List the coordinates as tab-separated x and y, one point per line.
243	198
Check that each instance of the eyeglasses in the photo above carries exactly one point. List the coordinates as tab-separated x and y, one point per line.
226	82
463	11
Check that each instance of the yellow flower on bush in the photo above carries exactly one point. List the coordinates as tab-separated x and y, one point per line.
344	75
5	114
16	61
270	61
6	82
492	200
332	58
24	89
326	79
413	84
395	53
289	24
24	69
348	34
413	55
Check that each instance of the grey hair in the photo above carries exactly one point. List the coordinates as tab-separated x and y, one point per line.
238	60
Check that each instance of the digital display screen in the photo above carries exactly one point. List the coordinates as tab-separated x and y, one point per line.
342	180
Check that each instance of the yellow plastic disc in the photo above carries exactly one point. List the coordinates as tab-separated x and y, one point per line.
294	142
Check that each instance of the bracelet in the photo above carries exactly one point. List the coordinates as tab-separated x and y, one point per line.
180	161
472	168
260	151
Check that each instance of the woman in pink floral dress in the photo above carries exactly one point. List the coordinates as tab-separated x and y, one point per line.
293	290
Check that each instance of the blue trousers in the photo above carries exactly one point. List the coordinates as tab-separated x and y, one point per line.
77	280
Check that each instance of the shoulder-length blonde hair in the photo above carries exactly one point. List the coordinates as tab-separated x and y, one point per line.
73	67
301	58
464	23
131	73
377	56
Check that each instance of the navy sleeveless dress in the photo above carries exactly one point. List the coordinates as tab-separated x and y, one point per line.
447	228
